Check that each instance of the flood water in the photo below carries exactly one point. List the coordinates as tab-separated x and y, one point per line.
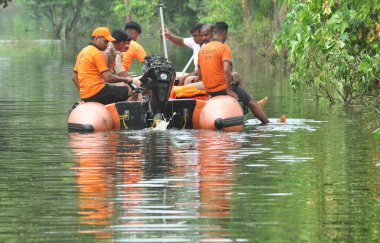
315	178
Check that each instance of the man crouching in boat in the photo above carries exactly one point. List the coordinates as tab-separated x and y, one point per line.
91	72
215	61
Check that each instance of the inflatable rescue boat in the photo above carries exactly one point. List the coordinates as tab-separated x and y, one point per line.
183	107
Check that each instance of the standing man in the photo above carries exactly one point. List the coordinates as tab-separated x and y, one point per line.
215	65
91	72
135	49
194	42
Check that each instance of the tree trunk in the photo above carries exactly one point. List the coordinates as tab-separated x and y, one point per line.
278	15
276	20
282	13
129	16
246	7
70	26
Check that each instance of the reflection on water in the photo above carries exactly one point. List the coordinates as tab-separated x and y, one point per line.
156	185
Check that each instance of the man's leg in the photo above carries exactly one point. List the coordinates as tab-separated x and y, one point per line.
199	85
249	101
191	79
181	78
257	111
237	80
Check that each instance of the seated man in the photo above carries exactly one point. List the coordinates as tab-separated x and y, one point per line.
135	49
194	42
114	51
215	63
114	57
91	72
207	35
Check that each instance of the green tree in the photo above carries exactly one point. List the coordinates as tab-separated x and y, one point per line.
67	17
179	14
63	15
333	47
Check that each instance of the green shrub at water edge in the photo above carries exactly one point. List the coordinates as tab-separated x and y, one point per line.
333	48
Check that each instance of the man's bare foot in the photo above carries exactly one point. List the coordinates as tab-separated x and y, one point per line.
282	119
263	102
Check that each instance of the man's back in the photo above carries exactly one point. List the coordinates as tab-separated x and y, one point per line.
211	58
89	66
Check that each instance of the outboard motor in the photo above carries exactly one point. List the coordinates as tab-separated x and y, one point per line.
157	79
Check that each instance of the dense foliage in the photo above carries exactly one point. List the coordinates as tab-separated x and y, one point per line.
333	47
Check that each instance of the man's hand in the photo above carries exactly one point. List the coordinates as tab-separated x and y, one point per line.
167	33
128	80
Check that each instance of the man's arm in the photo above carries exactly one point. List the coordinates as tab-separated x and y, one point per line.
110	78
176	40
119	68
75	79
199	73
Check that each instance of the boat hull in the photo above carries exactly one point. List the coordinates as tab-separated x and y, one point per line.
218	113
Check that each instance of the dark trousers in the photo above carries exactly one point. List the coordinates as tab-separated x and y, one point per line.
110	94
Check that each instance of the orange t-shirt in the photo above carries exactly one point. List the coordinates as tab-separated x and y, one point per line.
135	51
91	62
210	58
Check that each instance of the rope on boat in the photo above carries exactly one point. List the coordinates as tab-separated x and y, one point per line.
185	117
123	118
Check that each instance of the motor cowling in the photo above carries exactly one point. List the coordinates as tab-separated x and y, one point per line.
157	79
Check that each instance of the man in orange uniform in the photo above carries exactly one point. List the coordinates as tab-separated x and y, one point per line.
215	65
91	73
135	49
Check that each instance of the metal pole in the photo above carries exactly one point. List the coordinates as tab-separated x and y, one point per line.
163	31
187	65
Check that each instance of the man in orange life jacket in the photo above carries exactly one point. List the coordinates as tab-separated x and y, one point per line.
91	73
135	49
215	62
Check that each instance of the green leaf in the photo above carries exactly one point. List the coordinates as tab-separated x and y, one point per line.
344	37
329	44
363	67
376	133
